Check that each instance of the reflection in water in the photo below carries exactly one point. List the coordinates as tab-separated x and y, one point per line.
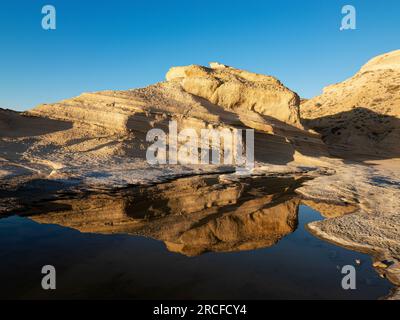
191	215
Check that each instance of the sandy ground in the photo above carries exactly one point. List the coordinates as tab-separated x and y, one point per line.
374	188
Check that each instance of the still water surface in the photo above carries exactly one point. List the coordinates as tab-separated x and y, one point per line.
191	239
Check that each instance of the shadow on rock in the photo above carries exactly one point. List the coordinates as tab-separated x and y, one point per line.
359	134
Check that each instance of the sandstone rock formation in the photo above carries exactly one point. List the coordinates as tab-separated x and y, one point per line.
100	138
213	95
240	91
362	114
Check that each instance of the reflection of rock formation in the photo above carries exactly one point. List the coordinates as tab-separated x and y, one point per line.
191	215
330	210
252	225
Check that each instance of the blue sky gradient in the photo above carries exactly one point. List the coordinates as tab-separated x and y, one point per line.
120	44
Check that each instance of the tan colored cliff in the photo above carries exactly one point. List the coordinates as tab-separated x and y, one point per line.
239	91
362	114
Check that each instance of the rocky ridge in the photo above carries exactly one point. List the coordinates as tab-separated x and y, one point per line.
360	116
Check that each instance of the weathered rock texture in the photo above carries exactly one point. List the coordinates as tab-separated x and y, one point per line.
375	226
362	114
100	138
239	90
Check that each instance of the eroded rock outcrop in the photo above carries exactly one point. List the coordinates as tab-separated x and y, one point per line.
214	95
362	114
100	138
239	90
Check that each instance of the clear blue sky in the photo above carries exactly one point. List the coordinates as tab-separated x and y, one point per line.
126	44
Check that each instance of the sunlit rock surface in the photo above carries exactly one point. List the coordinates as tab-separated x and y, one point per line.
102	133
239	90
98	140
361	116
